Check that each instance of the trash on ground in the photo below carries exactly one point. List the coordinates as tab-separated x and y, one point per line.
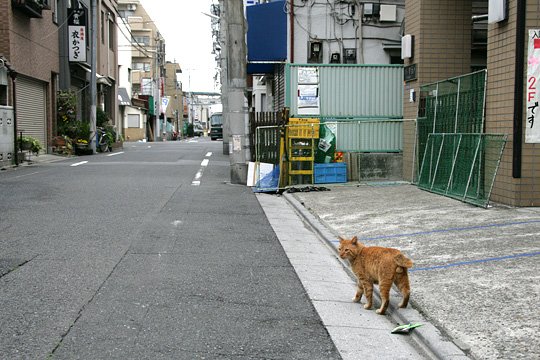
405	328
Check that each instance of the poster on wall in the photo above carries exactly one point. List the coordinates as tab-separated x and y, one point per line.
532	124
308	91
77	35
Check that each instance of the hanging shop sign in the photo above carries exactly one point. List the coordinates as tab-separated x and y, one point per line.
532	128
77	35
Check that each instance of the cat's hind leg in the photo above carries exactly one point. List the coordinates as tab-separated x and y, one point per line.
359	292
402	282
384	288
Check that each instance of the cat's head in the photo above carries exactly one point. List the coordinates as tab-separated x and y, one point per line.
349	248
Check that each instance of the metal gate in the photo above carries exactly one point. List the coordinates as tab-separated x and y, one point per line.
31	109
6	136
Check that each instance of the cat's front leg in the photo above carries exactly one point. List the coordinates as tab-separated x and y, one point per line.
359	293
368	290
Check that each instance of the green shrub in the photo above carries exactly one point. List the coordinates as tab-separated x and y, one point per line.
32	144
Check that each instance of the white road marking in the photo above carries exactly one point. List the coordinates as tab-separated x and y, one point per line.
79	163
197	179
114	154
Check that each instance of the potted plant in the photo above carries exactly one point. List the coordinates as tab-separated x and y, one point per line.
31	144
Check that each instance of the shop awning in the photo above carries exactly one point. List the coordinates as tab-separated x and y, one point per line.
123	97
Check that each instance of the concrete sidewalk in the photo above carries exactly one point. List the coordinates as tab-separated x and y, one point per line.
476	270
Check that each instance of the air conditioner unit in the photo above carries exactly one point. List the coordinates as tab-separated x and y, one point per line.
132	7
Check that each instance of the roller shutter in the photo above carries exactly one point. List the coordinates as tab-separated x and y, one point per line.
31	109
279	88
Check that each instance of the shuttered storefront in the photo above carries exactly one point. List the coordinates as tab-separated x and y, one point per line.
31	109
279	88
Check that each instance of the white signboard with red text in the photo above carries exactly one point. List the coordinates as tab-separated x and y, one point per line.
77	35
532	128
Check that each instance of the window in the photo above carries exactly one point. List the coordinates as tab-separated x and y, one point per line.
133	121
102	27
55	11
143	40
141	66
111	34
4	78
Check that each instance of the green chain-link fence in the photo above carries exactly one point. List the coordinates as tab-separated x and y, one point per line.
454	158
462	166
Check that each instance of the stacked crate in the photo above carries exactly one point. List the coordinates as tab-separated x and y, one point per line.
301	137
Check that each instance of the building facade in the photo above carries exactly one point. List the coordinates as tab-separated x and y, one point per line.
29	49
75	73
173	95
445	47
148	59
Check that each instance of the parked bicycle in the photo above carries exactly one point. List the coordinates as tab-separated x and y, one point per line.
103	140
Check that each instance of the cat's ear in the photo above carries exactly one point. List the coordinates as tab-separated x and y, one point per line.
354	240
341	239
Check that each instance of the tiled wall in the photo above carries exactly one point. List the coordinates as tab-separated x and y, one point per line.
442	46
524	191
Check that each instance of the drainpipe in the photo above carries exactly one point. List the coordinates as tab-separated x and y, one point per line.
518	90
291	16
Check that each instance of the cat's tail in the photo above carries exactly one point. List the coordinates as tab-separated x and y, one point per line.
403	261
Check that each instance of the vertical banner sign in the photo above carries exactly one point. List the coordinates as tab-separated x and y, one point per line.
308	91
532	128
77	35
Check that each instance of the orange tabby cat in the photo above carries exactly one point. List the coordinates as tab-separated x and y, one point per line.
377	265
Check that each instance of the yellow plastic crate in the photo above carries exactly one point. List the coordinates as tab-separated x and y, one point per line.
303	131
303	128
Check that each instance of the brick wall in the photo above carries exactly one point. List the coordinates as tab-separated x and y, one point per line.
4	28
442	47
33	51
524	191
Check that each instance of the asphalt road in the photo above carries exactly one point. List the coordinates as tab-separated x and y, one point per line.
146	253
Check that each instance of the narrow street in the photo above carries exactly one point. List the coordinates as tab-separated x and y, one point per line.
147	252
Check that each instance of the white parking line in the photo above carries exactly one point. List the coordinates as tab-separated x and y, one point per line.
79	163
208	154
114	154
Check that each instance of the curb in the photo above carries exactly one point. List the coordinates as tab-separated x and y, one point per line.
427	337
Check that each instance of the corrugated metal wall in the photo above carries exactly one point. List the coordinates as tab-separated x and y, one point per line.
352	90
368	135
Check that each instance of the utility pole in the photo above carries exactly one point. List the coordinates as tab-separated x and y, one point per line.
223	24
93	76
236	88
